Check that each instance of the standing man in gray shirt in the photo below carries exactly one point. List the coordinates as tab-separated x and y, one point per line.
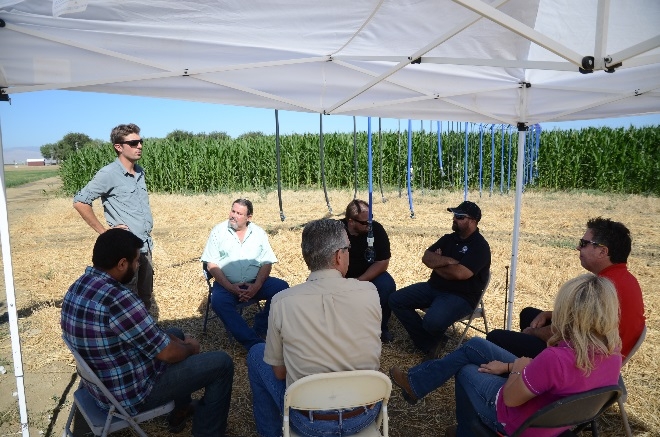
123	192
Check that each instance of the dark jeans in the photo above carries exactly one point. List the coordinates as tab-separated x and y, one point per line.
212	371
224	304
386	286
442	310
519	343
143	282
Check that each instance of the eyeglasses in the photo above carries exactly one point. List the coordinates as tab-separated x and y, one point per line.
346	248
582	243
362	222
132	143
460	216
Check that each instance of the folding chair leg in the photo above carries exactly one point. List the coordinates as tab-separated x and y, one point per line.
69	421
624	417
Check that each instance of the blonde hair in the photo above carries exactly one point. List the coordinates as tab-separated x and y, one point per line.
586	315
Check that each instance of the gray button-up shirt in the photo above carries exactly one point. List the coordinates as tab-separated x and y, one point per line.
124	197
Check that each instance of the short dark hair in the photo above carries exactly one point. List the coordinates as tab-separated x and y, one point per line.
613	235
320	240
354	208
119	133
246	203
113	245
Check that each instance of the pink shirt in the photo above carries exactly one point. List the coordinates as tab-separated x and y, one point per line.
553	375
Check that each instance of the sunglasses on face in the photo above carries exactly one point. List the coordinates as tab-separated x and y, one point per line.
346	248
583	243
132	143
460	216
362	222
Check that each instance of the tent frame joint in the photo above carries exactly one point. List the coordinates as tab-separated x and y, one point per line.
4	97
415	61
522	126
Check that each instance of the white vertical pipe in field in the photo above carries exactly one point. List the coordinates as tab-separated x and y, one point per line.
516	225
11	297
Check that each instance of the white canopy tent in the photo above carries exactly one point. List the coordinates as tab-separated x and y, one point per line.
495	61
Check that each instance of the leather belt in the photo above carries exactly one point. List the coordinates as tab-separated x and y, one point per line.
336	416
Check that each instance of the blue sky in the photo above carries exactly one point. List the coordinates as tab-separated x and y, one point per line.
35	119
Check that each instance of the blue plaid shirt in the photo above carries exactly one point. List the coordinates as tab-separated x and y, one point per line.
111	329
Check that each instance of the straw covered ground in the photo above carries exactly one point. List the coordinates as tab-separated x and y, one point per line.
51	247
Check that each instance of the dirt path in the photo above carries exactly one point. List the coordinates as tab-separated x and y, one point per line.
28	198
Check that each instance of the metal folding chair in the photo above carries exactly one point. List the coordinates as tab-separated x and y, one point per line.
103	422
479	312
624	392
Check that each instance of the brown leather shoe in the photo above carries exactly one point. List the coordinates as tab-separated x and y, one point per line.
177	419
400	379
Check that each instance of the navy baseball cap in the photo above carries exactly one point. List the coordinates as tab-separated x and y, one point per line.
468	208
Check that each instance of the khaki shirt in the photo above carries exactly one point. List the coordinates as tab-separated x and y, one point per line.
327	324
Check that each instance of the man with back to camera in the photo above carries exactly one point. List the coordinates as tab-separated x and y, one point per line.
240	259
142	365
357	226
326	324
460	265
604	250
123	191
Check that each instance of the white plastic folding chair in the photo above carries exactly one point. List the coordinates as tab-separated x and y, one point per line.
340	390
103	422
479	312
624	395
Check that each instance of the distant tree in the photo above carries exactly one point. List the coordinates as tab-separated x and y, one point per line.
69	144
48	151
179	135
248	135
220	136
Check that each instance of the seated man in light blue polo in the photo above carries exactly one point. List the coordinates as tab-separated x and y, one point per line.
240	259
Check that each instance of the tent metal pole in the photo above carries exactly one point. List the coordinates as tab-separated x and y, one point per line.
522	129
11	298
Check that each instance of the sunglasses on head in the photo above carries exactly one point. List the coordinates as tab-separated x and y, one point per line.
132	143
582	243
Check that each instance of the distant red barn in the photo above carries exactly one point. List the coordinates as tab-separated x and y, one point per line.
35	162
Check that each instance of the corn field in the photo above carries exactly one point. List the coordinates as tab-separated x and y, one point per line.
604	159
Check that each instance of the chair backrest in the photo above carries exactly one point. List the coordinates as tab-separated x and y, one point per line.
639	342
88	375
573	410
339	390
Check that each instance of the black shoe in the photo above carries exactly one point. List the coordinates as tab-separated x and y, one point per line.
400	379
177	419
386	337
437	349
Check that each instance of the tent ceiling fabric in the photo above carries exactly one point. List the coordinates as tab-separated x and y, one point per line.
345	56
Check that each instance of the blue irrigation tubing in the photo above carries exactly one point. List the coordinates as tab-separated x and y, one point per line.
321	153
502	162
398	157
539	131
421	155
465	165
481	157
355	159
508	181
370	254
492	158
380	150
442	171
279	169
409	170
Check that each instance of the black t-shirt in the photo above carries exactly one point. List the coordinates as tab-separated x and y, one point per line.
473	253
357	261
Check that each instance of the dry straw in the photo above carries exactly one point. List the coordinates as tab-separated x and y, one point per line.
52	247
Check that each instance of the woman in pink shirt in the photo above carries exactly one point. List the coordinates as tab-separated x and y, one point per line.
503	391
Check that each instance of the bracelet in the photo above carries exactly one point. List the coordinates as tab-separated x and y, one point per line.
514	373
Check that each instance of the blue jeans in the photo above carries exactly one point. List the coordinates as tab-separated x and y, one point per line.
442	310
475	391
268	405
224	304
386	286
212	371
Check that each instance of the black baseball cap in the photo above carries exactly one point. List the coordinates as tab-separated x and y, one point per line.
468	208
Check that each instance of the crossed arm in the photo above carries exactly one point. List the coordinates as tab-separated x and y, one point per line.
446	267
